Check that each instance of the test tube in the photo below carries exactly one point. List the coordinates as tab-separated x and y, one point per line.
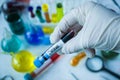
30	9
45	10
60	13
34	74
39	14
53	49
52	11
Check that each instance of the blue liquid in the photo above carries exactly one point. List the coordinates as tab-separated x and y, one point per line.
11	44
34	35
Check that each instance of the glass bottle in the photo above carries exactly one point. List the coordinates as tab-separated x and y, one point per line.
22	61
34	34
10	42
15	23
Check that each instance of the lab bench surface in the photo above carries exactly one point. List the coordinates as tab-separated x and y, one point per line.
61	69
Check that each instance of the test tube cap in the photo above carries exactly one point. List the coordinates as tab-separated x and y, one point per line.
30	8
38	63
59	5
38	7
28	77
45	7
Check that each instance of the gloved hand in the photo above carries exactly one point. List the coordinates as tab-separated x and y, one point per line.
101	29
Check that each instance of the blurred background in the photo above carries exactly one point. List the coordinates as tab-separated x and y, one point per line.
26	26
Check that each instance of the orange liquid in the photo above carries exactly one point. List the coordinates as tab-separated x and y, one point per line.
75	60
47	17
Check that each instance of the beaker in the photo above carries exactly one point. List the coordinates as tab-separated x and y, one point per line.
15	23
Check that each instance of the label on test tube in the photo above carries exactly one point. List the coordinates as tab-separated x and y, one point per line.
47	54
47	63
38	71
55	48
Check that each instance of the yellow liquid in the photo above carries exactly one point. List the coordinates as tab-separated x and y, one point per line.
48	30
23	61
54	18
59	14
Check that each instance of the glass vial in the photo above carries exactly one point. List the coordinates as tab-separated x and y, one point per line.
60	13
45	10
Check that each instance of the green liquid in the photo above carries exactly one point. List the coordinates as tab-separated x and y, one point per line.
15	23
39	15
